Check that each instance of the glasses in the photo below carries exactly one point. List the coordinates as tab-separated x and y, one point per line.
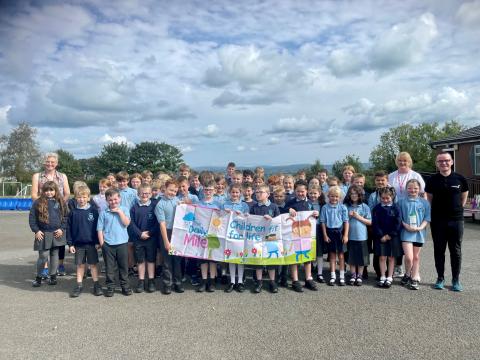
260	192
146	193
443	161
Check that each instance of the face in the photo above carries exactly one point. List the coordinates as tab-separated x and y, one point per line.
381	182
50	163
195	182
360	181
354	196
230	170
313	194
171	191
185	173
332	183
248	179
122	184
102	188
82	200
208	191
413	189
262	195
113	201
314	182
145	194
386	199
322	177
111	178
444	162
237	179
403	163
155	192
147	179
235	194
248	192
288	184
183	188
49	193
220	188
301	192
333	198
302	176
347	176
279	197
257	182
135	182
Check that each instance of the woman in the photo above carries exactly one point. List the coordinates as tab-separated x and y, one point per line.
50	173
398	179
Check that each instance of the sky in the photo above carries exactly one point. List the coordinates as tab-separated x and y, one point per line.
254	82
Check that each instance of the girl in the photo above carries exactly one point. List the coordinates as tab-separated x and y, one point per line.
220	196
48	220
318	200
239	207
135	181
386	225
415	212
99	199
347	174
334	221
359	218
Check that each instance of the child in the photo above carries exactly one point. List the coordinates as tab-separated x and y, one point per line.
220	186
237	177
229	173
268	210
235	204
113	180
157	190
135	181
259	171
257	181
248	176
279	198
184	170
165	212
317	200
195	186
288	182
99	199
208	283
48	220
347	174
332	181
113	238
301	203
313	182
183	194
322	178
359	218
82	239
415	212
147	177
334	221
386	226
301	175
247	195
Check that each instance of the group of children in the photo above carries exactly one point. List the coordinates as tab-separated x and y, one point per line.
132	225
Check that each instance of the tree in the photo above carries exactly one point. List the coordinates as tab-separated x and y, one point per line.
415	141
114	157
354	160
19	153
155	157
69	165
313	170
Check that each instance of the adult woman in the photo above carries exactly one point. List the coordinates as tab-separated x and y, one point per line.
50	173
398	179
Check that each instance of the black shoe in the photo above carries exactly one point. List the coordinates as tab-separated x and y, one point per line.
126	291
365	274
310	284
320	279
405	280
97	289
167	290
283	281
140	286
110	291
77	290
158	271
258	287
37	282
273	287
240	288
52	280
297	286
131	272
224	279
203	286
151	286
178	289
211	285
229	288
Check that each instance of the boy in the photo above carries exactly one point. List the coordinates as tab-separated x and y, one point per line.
165	213
359	180
113	238
229	173
288	182
184	170
322	178
279	199
82	239
333	181
248	176
301	203
268	210
147	177
237	177
183	194
195	187
143	230
247	194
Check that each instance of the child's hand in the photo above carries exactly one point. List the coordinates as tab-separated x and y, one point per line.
238	212
292	212
72	249
315	213
167	246
267	217
58	233
353	214
345	240
327	240
39	235
383	238
145	235
186	200
116	210
98	246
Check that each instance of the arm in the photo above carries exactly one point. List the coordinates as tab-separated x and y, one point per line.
430	197
100	238
324	232
163	232
123	218
35	186
133	230
346	227
464	197
66	188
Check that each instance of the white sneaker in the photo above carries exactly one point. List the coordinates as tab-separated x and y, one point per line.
398	272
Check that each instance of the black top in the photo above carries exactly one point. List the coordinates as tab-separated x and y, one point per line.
386	220
143	219
82	227
299	205
271	209
446	194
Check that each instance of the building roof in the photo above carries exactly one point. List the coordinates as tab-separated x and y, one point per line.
468	135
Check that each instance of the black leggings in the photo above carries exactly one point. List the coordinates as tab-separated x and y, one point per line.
447	233
61	252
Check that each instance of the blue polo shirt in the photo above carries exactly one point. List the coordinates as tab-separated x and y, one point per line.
414	211
236	206
165	211
114	231
192	197
333	216
212	204
128	197
357	231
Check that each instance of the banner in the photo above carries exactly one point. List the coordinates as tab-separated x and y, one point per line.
217	235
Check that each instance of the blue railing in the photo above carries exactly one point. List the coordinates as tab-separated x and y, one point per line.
15	204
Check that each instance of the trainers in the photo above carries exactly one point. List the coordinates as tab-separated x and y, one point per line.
240	287
310	284
76	291
44	274
166	290
202	287
61	270
126	291
178	289
273	287
52	280
194	280
297	286
440	284
405	280
320	278
414	285
258	287
140	286
97	289
457	286
110	291
37	282
151	286
398	272
229	288
211	285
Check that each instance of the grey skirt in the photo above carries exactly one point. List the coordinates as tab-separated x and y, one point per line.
49	241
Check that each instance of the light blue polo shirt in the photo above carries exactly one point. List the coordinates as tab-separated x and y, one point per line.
165	211
357	231
414	210
128	197
333	216
192	197
212	204
236	206
114	231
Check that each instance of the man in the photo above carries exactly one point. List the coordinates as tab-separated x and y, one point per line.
447	193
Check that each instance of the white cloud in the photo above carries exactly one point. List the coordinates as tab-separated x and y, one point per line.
240	148
294	125
3	117
186	149
108	139
211	131
343	62
273	140
469	14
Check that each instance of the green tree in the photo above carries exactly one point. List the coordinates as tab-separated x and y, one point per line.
313	170
354	160
114	157
155	156
19	153
69	165
413	139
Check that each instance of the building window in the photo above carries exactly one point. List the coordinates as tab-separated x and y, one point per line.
476	154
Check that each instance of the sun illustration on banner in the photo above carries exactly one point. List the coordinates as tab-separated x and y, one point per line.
216	222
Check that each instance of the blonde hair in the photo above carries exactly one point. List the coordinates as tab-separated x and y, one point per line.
335	190
50	155
82	190
404	155
348	168
77	184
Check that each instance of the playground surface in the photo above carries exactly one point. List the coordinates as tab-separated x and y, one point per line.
334	322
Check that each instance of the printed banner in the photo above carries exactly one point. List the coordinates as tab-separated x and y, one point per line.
217	235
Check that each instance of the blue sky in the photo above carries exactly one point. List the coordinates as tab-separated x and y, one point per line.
255	82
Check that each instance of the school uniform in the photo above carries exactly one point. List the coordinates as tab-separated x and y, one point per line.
82	234
236	206
386	221
193	198
128	197
414	212
250	204
357	236
334	216
143	219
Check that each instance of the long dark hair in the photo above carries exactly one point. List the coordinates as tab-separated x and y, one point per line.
42	203
348	198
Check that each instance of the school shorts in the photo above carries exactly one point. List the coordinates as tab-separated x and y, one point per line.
86	254
335	245
145	250
415	244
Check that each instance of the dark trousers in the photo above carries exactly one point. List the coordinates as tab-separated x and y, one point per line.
116	256
61	252
447	233
172	266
